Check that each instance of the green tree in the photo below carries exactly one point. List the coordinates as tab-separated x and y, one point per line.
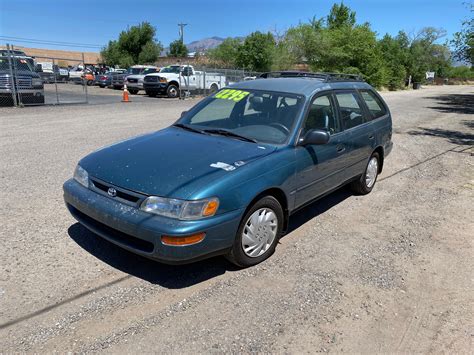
395	51
341	16
463	41
426	55
134	46
256	53
178	49
226	53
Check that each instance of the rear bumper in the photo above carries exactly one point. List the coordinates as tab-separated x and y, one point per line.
140	232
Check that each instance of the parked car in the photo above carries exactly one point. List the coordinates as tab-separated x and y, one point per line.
135	82
171	79
18	75
105	80
226	177
118	78
50	73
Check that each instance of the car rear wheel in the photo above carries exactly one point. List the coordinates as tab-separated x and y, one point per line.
366	181
133	91
258	233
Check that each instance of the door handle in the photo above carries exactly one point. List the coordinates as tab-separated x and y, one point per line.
371	136
340	148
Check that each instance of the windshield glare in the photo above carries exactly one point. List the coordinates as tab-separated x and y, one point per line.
266	117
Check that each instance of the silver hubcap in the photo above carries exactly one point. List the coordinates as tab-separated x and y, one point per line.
371	173
259	232
173	92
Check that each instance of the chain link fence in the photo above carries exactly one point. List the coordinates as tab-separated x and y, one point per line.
213	79
38	80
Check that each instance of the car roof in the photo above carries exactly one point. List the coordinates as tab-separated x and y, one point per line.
300	85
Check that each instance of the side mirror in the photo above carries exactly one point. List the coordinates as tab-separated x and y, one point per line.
183	113
315	137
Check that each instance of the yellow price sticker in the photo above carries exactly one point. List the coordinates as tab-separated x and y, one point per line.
231	94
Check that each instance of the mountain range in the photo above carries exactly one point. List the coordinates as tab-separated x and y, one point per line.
204	44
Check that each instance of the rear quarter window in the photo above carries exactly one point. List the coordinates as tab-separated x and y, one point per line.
375	106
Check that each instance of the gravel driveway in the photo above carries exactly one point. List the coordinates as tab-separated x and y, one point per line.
387	272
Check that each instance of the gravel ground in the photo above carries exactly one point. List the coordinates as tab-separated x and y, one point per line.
386	272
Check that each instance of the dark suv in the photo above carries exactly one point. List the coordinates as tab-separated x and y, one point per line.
226	176
17	75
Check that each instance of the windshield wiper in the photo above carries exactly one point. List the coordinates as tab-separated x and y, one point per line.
224	132
189	128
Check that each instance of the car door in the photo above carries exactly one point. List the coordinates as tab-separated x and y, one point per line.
360	134
320	168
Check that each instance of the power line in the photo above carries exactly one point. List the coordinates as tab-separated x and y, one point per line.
53	43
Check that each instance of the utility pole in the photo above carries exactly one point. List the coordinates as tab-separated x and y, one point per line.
181	31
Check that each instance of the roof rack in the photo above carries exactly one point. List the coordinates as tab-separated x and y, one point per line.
325	77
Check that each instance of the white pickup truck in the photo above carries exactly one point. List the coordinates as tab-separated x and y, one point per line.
172	79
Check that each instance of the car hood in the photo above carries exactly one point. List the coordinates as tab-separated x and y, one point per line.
171	162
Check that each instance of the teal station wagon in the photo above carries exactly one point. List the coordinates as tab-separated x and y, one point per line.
226	177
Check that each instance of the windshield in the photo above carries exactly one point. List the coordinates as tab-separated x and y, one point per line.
149	71
18	63
134	71
172	69
263	116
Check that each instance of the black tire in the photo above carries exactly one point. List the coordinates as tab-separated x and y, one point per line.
360	186
172	91
237	255
213	89
102	86
90	82
151	93
133	91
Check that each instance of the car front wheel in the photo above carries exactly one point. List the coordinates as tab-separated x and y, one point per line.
366	181
258	233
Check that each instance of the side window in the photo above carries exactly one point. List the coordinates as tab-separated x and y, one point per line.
351	112
376	108
321	116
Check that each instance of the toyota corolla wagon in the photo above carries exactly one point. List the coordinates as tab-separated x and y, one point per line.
226	177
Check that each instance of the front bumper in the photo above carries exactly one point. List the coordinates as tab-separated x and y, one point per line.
155	86
138	86
140	232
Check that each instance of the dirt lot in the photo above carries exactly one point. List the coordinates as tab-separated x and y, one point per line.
387	272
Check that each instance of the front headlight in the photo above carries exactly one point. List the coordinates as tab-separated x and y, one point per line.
81	176
181	209
162	80
36	82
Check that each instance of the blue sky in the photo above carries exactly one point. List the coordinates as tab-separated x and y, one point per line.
96	22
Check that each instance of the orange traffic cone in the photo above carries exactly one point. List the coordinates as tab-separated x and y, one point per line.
125	94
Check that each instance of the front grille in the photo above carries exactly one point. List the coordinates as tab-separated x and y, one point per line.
121	193
111	233
5	81
23	82
151	79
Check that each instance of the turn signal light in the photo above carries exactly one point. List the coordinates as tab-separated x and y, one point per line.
211	208
182	241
